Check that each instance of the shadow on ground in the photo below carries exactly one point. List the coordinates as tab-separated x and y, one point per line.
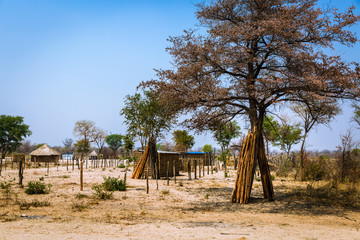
288	201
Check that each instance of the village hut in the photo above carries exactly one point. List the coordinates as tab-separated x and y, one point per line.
202	158
45	154
93	155
163	157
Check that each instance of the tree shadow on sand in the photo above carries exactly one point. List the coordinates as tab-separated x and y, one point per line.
289	200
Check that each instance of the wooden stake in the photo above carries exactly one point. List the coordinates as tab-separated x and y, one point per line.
195	168
167	173
81	173
174	167
21	172
147	179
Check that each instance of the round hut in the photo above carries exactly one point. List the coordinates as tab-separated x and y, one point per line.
93	155
45	154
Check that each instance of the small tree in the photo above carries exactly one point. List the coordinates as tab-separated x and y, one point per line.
129	143
288	135
68	142
99	139
12	132
183	140
207	148
147	117
114	141
315	114
84	130
270	130
223	134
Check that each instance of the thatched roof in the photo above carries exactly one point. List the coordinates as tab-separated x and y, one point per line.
45	150
93	153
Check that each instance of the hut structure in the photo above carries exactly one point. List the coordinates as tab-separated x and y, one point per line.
203	158
93	155
45	154
164	157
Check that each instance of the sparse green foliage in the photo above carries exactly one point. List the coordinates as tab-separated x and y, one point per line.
146	116
101	193
113	184
165	192
24	205
207	148
183	140
79	206
81	196
37	187
12	132
114	141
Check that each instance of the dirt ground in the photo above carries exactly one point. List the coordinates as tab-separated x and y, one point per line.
196	209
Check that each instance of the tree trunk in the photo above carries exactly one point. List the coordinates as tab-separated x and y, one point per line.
153	159
302	151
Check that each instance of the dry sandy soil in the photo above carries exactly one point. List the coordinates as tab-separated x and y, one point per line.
196	209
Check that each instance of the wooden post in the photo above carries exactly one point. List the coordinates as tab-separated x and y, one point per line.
21	171
48	166
156	175
199	168
208	163
126	169
167	173
67	163
174	167
81	173
195	168
203	162
189	169
73	163
147	178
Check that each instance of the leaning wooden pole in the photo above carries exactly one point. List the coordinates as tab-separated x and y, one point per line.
265	173
253	150
141	165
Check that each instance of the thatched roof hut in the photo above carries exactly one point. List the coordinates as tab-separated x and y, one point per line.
45	154
93	155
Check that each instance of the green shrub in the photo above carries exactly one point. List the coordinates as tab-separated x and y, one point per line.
101	193
81	195
121	166
36	187
79	207
114	184
24	205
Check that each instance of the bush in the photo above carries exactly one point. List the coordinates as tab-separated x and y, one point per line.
121	166
314	170
36	187
101	193
24	205
114	184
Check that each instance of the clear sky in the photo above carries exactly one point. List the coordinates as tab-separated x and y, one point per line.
62	61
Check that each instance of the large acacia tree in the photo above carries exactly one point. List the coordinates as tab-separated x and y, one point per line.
255	55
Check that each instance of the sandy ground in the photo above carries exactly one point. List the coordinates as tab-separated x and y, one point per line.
196	209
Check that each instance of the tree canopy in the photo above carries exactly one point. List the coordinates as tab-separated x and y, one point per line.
114	141
207	148
146	116
224	133
13	130
257	54
183	140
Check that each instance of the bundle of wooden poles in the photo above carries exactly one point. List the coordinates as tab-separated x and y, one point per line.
253	149
138	171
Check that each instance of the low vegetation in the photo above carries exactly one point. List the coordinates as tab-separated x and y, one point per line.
37	187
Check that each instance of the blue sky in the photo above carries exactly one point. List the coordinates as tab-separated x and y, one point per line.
64	60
